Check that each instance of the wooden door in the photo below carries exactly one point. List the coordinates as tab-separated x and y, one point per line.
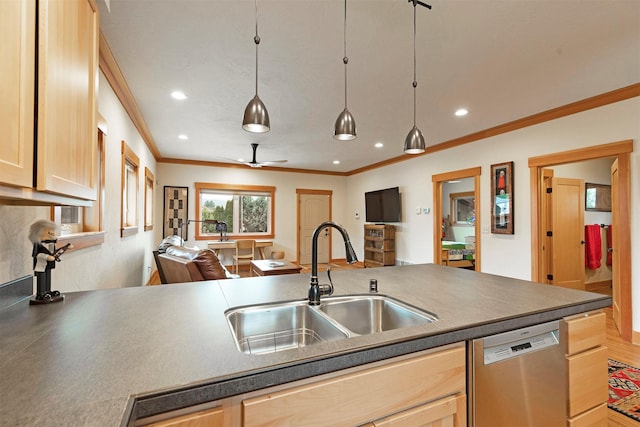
314	208
17	54
615	258
567	228
67	98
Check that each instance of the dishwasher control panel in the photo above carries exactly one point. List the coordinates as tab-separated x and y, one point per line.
518	347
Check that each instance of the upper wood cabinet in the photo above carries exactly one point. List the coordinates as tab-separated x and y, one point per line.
17	54
65	86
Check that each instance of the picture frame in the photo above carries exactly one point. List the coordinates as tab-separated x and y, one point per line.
176	210
502	196
597	197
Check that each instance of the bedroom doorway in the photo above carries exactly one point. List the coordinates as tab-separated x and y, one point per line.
621	220
459	209
314	207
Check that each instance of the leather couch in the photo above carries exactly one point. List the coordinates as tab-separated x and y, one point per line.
179	264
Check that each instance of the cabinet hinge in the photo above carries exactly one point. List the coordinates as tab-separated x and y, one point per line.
549	233
549	190
549	276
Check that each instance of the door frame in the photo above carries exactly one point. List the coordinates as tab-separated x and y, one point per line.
437	180
305	191
620	150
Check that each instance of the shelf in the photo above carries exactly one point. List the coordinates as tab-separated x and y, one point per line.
379	245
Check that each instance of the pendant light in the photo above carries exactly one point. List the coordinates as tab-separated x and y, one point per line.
414	142
345	127
256	116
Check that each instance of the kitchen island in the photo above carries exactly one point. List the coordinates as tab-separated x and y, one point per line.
109	357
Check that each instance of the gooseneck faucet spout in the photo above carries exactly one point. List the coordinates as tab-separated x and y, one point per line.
315	289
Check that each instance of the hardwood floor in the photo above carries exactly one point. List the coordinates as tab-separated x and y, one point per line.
624	352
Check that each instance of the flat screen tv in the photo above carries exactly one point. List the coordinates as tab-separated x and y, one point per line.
382	205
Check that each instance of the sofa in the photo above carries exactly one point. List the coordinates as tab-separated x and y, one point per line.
178	264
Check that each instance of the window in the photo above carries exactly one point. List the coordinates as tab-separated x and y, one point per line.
463	209
247	210
148	199
129	214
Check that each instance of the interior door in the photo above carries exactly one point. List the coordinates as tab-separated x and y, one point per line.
314	209
567	232
615	256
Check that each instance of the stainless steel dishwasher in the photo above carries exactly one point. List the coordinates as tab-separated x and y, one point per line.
517	378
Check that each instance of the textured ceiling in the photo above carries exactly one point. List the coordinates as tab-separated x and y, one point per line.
500	59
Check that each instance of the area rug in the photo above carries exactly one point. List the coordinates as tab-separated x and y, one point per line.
624	389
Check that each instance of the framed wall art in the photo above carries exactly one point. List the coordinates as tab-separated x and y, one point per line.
175	211
502	194
597	197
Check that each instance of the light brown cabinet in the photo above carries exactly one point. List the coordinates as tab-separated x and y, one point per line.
207	418
428	387
586	368
65	85
379	245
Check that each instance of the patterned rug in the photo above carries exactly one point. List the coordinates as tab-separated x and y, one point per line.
624	389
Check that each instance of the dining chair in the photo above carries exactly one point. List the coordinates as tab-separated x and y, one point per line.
245	253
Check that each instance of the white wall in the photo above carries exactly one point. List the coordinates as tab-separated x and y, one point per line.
506	255
285	198
119	262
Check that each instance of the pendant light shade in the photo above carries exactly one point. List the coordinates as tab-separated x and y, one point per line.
414	142
256	116
345	127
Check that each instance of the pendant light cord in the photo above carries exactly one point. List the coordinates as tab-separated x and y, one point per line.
415	82
256	40
345	59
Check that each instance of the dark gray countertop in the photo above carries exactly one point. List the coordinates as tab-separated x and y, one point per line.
100	356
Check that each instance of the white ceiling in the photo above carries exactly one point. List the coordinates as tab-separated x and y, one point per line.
500	59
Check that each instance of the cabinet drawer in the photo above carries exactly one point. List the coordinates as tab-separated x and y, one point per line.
588	380
593	418
207	418
450	411
355	398
583	332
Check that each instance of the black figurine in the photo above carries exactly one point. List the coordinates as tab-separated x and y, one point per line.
43	235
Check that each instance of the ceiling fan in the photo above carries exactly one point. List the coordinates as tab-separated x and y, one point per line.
256	164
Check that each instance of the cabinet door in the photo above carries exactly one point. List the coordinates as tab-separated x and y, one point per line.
451	411
67	83
17	56
373	393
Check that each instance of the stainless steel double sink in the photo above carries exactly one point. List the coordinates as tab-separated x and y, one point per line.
267	328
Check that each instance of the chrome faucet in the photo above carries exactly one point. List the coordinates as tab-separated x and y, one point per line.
316	290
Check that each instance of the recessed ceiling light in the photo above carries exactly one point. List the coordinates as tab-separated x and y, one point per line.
336	162
461	112
178	94
183	137
378	145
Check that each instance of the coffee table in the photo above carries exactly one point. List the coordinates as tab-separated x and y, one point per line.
270	267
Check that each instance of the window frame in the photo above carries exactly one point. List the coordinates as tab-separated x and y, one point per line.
129	158
149	199
206	186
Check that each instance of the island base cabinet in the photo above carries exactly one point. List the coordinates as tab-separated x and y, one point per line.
421	388
584	336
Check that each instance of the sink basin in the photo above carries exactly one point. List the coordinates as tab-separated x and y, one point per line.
267	328
275	327
369	314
